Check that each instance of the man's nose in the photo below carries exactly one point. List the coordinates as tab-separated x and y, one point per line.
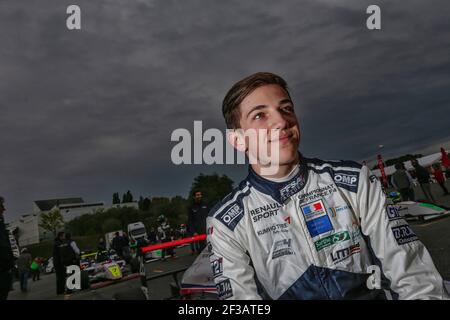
278	120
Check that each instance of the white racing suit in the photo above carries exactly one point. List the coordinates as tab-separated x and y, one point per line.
327	233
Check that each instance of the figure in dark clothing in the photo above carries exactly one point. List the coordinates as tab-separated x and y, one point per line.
165	235
117	244
197	214
6	256
439	176
423	176
152	237
101	246
402	181
60	269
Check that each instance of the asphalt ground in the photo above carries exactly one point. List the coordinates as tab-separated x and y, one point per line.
435	234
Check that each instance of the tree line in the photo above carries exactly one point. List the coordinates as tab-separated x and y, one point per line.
213	187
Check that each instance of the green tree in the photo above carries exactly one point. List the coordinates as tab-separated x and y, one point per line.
140	202
213	187
146	204
111	224
52	221
127	197
116	198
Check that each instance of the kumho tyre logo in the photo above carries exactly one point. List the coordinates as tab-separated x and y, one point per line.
331	239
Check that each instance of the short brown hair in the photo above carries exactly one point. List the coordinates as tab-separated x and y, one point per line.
241	89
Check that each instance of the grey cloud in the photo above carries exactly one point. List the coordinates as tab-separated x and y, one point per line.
90	112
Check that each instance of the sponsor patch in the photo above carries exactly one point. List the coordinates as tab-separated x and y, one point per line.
292	188
317	194
224	289
339	209
331	239
316	217
217	267
404	234
373	178
274	229
342	254
231	217
282	248
393	213
347	180
265	212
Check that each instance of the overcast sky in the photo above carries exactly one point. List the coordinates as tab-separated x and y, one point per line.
88	113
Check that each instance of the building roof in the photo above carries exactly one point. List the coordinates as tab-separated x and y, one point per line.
46	205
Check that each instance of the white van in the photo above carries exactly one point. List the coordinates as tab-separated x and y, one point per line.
136	231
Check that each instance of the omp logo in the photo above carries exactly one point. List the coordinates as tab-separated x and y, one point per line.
217	267
343	254
373	178
231	214
347	179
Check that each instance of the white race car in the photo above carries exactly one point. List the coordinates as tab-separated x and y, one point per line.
412	210
105	265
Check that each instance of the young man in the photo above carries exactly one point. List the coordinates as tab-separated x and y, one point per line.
314	229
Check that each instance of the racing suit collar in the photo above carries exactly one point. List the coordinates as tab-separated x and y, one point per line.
279	191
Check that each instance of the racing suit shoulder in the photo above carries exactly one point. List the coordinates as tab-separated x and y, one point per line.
348	164
345	173
230	210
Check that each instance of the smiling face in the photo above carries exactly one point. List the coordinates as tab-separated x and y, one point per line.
269	110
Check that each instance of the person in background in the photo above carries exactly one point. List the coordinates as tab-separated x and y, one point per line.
101	246
423	176
164	235
197	214
23	264
117	244
439	176
6	256
126	254
152	237
36	268
76	250
58	264
402	181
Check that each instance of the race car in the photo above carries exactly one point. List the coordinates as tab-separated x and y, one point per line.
104	265
412	210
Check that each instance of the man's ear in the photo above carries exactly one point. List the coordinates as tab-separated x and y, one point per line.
237	140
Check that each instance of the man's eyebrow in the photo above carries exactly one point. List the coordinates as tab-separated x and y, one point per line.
261	106
285	101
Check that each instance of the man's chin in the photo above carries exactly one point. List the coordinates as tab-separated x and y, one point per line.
285	157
